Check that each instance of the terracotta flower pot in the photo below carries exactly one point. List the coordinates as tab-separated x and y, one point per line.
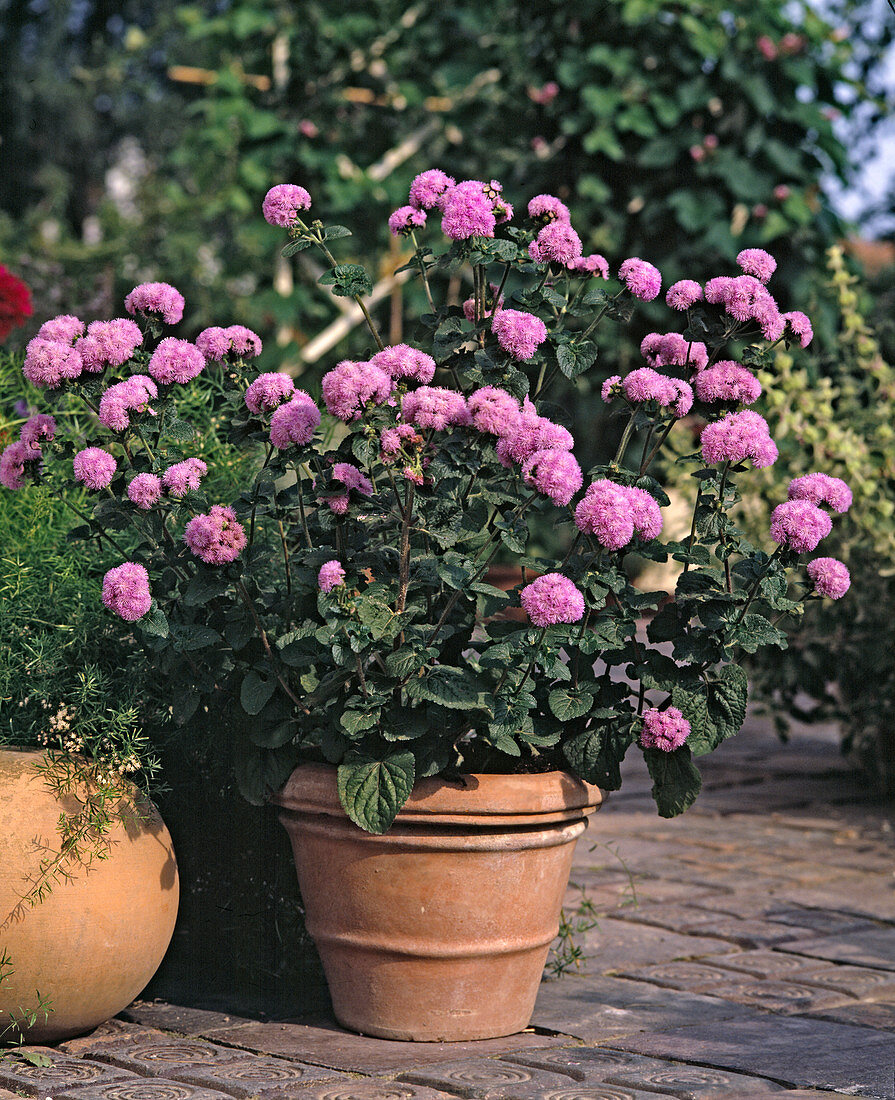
96	938
439	929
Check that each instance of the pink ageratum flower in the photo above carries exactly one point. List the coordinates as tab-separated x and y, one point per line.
184	477
557	243
605	511
821	489
518	333
126	591
800	525
295	422
503	211
118	401
268	391
800	326
48	364
405	219
339	504
757	262
156	299
831	577
727	381
645	511
109	343
736	437
683	294
62	330
612	388
548	208
392	440
673	350
493	410
530	433
642	279
429	189
468	212
352	477
434	407
175	361
552	598
469	305
144	491
594	264
665	729
350	386
646	384
37	427
401	361
13	461
215	537
556	474
283	202
331	575
94	467
237	341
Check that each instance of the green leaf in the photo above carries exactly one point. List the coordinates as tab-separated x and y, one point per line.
295	246
260	771
666	625
202	588
334	232
347	280
727	698
576	359
590	756
255	692
756	631
155	622
566	703
676	780
450	687
373	791
180	431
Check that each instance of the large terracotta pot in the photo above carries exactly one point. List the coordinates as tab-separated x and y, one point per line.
97	936
439	929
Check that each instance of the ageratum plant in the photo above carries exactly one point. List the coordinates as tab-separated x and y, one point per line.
340	610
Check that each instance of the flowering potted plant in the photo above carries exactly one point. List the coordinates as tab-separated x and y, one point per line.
340	612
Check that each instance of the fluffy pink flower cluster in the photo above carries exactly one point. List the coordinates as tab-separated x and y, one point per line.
126	591
123	398
831	577
800	327
556	243
727	380
428	190
552	598
683	294
295	422
13	461
594	264
350	386
283	202
493	410
665	729
144	491
491	306
554	473
402	362
108	343
37	427
235	341
746	298
405	219
48	363
519	334
673	350
821	489
613	514
473	209
530	432
548	208
156	300
736	437
215	537
434	407
175	361
352	478
758	263
94	467
394	442
268	391
184	477
62	329
642	279
799	525
331	575
645	384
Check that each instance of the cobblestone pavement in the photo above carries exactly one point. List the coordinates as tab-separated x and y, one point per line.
743	951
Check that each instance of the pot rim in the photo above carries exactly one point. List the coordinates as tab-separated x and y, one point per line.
500	799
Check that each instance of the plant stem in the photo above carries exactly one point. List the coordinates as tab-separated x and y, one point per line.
286	565
423	273
625	440
247	600
644	466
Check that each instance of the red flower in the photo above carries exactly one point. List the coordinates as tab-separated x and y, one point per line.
15	302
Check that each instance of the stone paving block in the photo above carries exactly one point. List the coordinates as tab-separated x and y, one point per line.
786	997
617	942
153	1088
586	1065
486	1078
597	1009
821	921
185	1021
329	1045
257	1076
873	947
157	1056
776	965
859	981
868	898
794	1050
366	1090
63	1072
698	1082
692	977
110	1031
881	1017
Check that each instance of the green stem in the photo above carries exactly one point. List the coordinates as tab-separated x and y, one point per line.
262	633
644	466
625	440
423	273
531	665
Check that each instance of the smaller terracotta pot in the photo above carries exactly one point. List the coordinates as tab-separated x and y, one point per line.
439	929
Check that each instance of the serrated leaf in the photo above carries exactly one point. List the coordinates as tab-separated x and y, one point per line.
293	247
354	721
676	780
566	703
373	791
180	431
155	622
260	771
347	280
454	688
202	588
727	697
756	631
334	232
575	359
255	692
